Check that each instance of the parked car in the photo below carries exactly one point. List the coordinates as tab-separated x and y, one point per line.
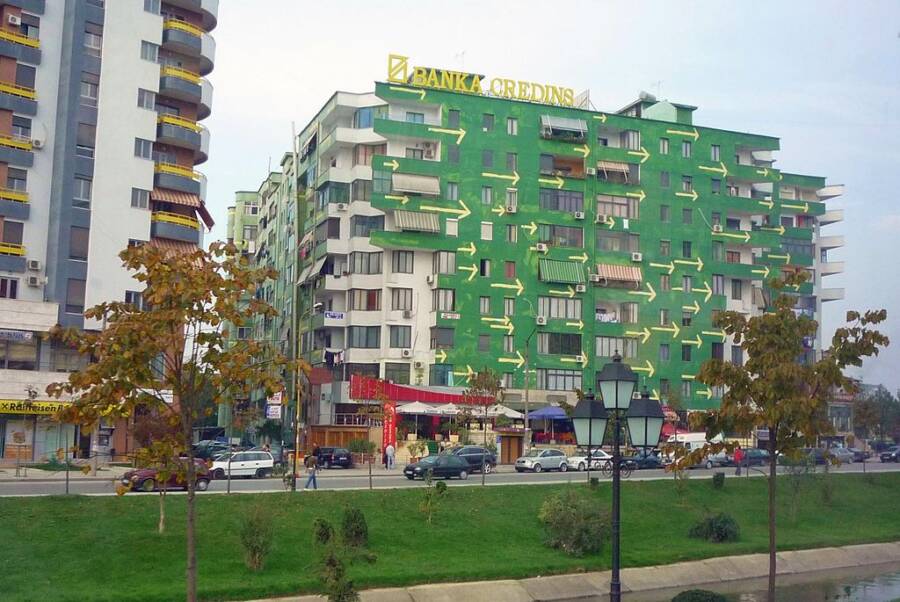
842	454
473	455
805	455
328	457
147	479
543	459
209	449
442	466
891	454
579	460
755	457
243	464
646	459
693	441
860	455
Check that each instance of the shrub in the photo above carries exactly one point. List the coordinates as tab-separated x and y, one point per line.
323	532
718	528
354	530
574	522
718	480
431	497
338	587
360	446
256	534
699	595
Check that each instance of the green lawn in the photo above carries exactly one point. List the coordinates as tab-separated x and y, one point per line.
90	548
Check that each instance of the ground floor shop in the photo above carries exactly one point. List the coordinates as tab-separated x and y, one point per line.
29	433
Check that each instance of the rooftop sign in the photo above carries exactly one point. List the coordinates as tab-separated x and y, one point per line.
400	72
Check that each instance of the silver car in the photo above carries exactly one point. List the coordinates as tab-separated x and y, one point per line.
842	455
538	460
598	459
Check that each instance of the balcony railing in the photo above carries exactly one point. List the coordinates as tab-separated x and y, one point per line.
15	141
7	194
7	248
17	38
178	170
169	70
16	90
176	218
183	26
180	122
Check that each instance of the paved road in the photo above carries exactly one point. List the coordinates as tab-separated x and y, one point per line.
333	479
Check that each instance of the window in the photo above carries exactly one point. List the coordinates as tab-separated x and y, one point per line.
512	233
487	231
25	75
16	179
364	337
441	338
146	99
686	249
84	141
628	312
453	154
631	139
607	346
78	243
718	250
136	299
365	263
361	190
487	195
412	117
90	89
484	306
403	262
687	184
143	148
512	126
19	355
401	337
452	227
9	288
509	344
664	317
149	51
686	317
559	308
664	387
512	197
736	291
718	284
484	342
140	199
453	118
487	122
664	214
664	352
715	186
81	193
440	375
361	299
363	153
665	248
562	236
716	218
444	262
687	215
452	191
686	149
687	283
381	181
509	306
714	152
685	389
360	225
737	355
414	153
152	6
21	127
664	179
663	146
562	200
618	206
401	299
559	343
75	296
484	268
487	158
444	299
718	351
396	373
665	283
552	379
509	269
93	43
512	161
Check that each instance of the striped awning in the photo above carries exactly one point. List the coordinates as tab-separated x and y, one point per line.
172	246
564	123
613	166
405	182
417	221
163	195
619	273
311	271
565	272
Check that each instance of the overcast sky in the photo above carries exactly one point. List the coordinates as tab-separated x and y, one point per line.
822	76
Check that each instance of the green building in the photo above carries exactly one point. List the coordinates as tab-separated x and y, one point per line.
442	231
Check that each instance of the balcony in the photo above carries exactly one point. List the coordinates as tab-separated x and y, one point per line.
184	38
206	94
16	150
19	47
561	166
831	217
18	99
12	257
208	9
176	177
184	133
14	204
831	294
175	226
180	84
830	242
829	268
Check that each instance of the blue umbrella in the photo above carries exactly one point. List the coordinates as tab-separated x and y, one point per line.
548	413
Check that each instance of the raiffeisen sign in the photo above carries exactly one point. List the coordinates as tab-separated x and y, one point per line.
400	72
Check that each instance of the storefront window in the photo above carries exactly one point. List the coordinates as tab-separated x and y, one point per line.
18	355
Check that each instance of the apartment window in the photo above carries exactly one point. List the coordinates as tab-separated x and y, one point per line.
686	317
618	206
440	375
152	6
686	149
363	153
136	299
16	179
563	200
441	338
664	214
716	218
663	146
19	355
715	186
484	306
664	352
631	139
607	346
487	231
364	337
396	373
718	250
512	161
453	154
512	126
737	355
487	122
512	197
664	387
665	248
93	41
718	351
452	191
484	342
484	268
90	89
736	290
687	216
512	233
9	288
452	228
360	226
509	344
143	148
664	317
664	179
628	312
75	296
685	389
81	193
444	262
562	236
453	118
444	299
559	343
21	127
718	284
509	306
412	117
687	183
665	283
361	190
78	243
146	99
403	262
381	181
365	263
714	152
552	379
487	158
401	299
25	75
84	143
509	269
401	337
361	299
686	248
687	283
487	195
149	51
414	153
559	308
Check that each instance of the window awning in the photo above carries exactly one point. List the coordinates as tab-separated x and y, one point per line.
565	272
312	271
613	166
306	238
619	273
564	123
162	195
405	182
173	246
417	221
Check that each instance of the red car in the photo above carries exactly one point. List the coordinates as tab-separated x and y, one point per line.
145	479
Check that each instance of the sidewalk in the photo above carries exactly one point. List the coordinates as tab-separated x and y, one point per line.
36	475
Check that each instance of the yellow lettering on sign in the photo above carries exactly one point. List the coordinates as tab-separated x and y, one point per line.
522	93
568	98
497	87
448	80
537	92
432	81
476	85
509	88
419	75
398	68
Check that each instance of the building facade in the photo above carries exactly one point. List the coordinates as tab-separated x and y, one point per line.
100	110
437	232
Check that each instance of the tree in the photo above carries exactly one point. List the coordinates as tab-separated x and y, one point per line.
484	390
162	357
877	413
775	391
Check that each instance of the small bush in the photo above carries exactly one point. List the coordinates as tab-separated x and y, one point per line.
595	482
354	530
333	572
256	534
431	497
360	446
323	532
718	528
699	595
575	523
719	480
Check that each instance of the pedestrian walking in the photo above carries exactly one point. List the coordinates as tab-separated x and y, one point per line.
384	458
311	468
738	460
390	452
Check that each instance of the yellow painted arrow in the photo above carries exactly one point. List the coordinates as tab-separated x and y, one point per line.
786	257
579	324
578	359
462	213
640	333
468	373
688	376
532	228
648	369
705	289
764	172
641	153
393	164
779	229
584	149
513	178
398	197
601	117
715	333
416	91
721	169
651	295
517	286
654	394
610	222
692	134
519	361
695	341
691	195
440	355
693	308
764	272
768	204
697	263
469	249
804	207
639	195
582	258
569	292
745	236
509	328
504	320
674	330
557	181
472	269
705	393
535	248
501	210
460	133
666	266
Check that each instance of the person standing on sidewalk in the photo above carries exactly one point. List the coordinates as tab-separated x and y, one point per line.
390	452
311	465
738	460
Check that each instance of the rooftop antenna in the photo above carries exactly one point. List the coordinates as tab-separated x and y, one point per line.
658	84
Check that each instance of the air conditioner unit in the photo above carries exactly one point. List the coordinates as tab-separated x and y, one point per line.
407	314
579	215
602	218
34	280
541	247
407	353
37	143
591	171
580	288
34	265
511	208
717	228
637	256
540	320
429	279
342	206
417	364
429	150
596	278
14	20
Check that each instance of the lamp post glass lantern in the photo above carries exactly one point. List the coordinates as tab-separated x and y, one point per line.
645	420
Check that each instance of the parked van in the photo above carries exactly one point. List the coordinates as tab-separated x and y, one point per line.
693	441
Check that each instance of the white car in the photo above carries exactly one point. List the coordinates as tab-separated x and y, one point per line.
598	459
538	460
243	464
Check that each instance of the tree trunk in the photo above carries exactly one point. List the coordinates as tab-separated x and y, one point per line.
772	475
162	509
484	427
191	561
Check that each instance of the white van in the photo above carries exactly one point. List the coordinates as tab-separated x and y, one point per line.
693	441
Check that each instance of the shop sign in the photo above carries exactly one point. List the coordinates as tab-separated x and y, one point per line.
273	412
334	315
276	398
16	335
22	406
389	425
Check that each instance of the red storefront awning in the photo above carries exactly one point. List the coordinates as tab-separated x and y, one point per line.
365	388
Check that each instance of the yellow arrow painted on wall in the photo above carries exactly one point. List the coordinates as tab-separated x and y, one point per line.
786	257
721	169
693	308
416	91
695	341
472	269
744	236
557	181
691	195
532	228
582	258
519	361
579	324
469	249
500	211
578	359
460	133
517	286
779	229
397	197
601	117
440	355
509	328
666	266
513	178
764	172
692	134
707	393
584	149
674	330
504	320
468	373
610	222
639	195
715	333
767	204
688	376
697	263
804	207
393	164
651	295
645	333
462	213
648	369
763	272
708	291
641	153
568	292
654	394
